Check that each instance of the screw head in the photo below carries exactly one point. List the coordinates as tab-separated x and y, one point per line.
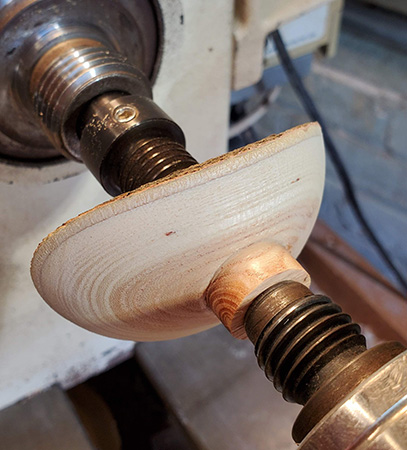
124	113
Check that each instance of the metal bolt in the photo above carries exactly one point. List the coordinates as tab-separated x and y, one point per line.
130	152
311	351
124	113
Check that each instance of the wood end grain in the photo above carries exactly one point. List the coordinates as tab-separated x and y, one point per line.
245	275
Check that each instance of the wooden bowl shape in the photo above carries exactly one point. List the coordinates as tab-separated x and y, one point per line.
137	267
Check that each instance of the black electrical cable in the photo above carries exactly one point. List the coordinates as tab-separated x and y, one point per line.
309	106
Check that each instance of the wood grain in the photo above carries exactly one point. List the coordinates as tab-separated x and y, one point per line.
244	276
137	267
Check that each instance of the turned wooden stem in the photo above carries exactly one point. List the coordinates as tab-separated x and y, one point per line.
246	274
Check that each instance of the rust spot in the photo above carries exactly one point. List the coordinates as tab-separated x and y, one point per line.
169	233
242	11
295	181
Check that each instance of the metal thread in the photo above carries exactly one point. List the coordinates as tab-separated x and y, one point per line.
76	63
97	108
150	159
305	340
128	141
70	75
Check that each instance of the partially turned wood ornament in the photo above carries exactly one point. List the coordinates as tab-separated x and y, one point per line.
153	263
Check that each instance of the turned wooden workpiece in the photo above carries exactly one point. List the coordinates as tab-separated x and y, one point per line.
150	264
244	276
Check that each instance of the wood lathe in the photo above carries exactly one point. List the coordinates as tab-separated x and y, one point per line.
184	245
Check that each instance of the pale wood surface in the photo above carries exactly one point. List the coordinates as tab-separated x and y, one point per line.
137	267
244	276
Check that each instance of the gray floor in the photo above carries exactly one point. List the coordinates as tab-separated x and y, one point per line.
214	387
47	421
362	94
